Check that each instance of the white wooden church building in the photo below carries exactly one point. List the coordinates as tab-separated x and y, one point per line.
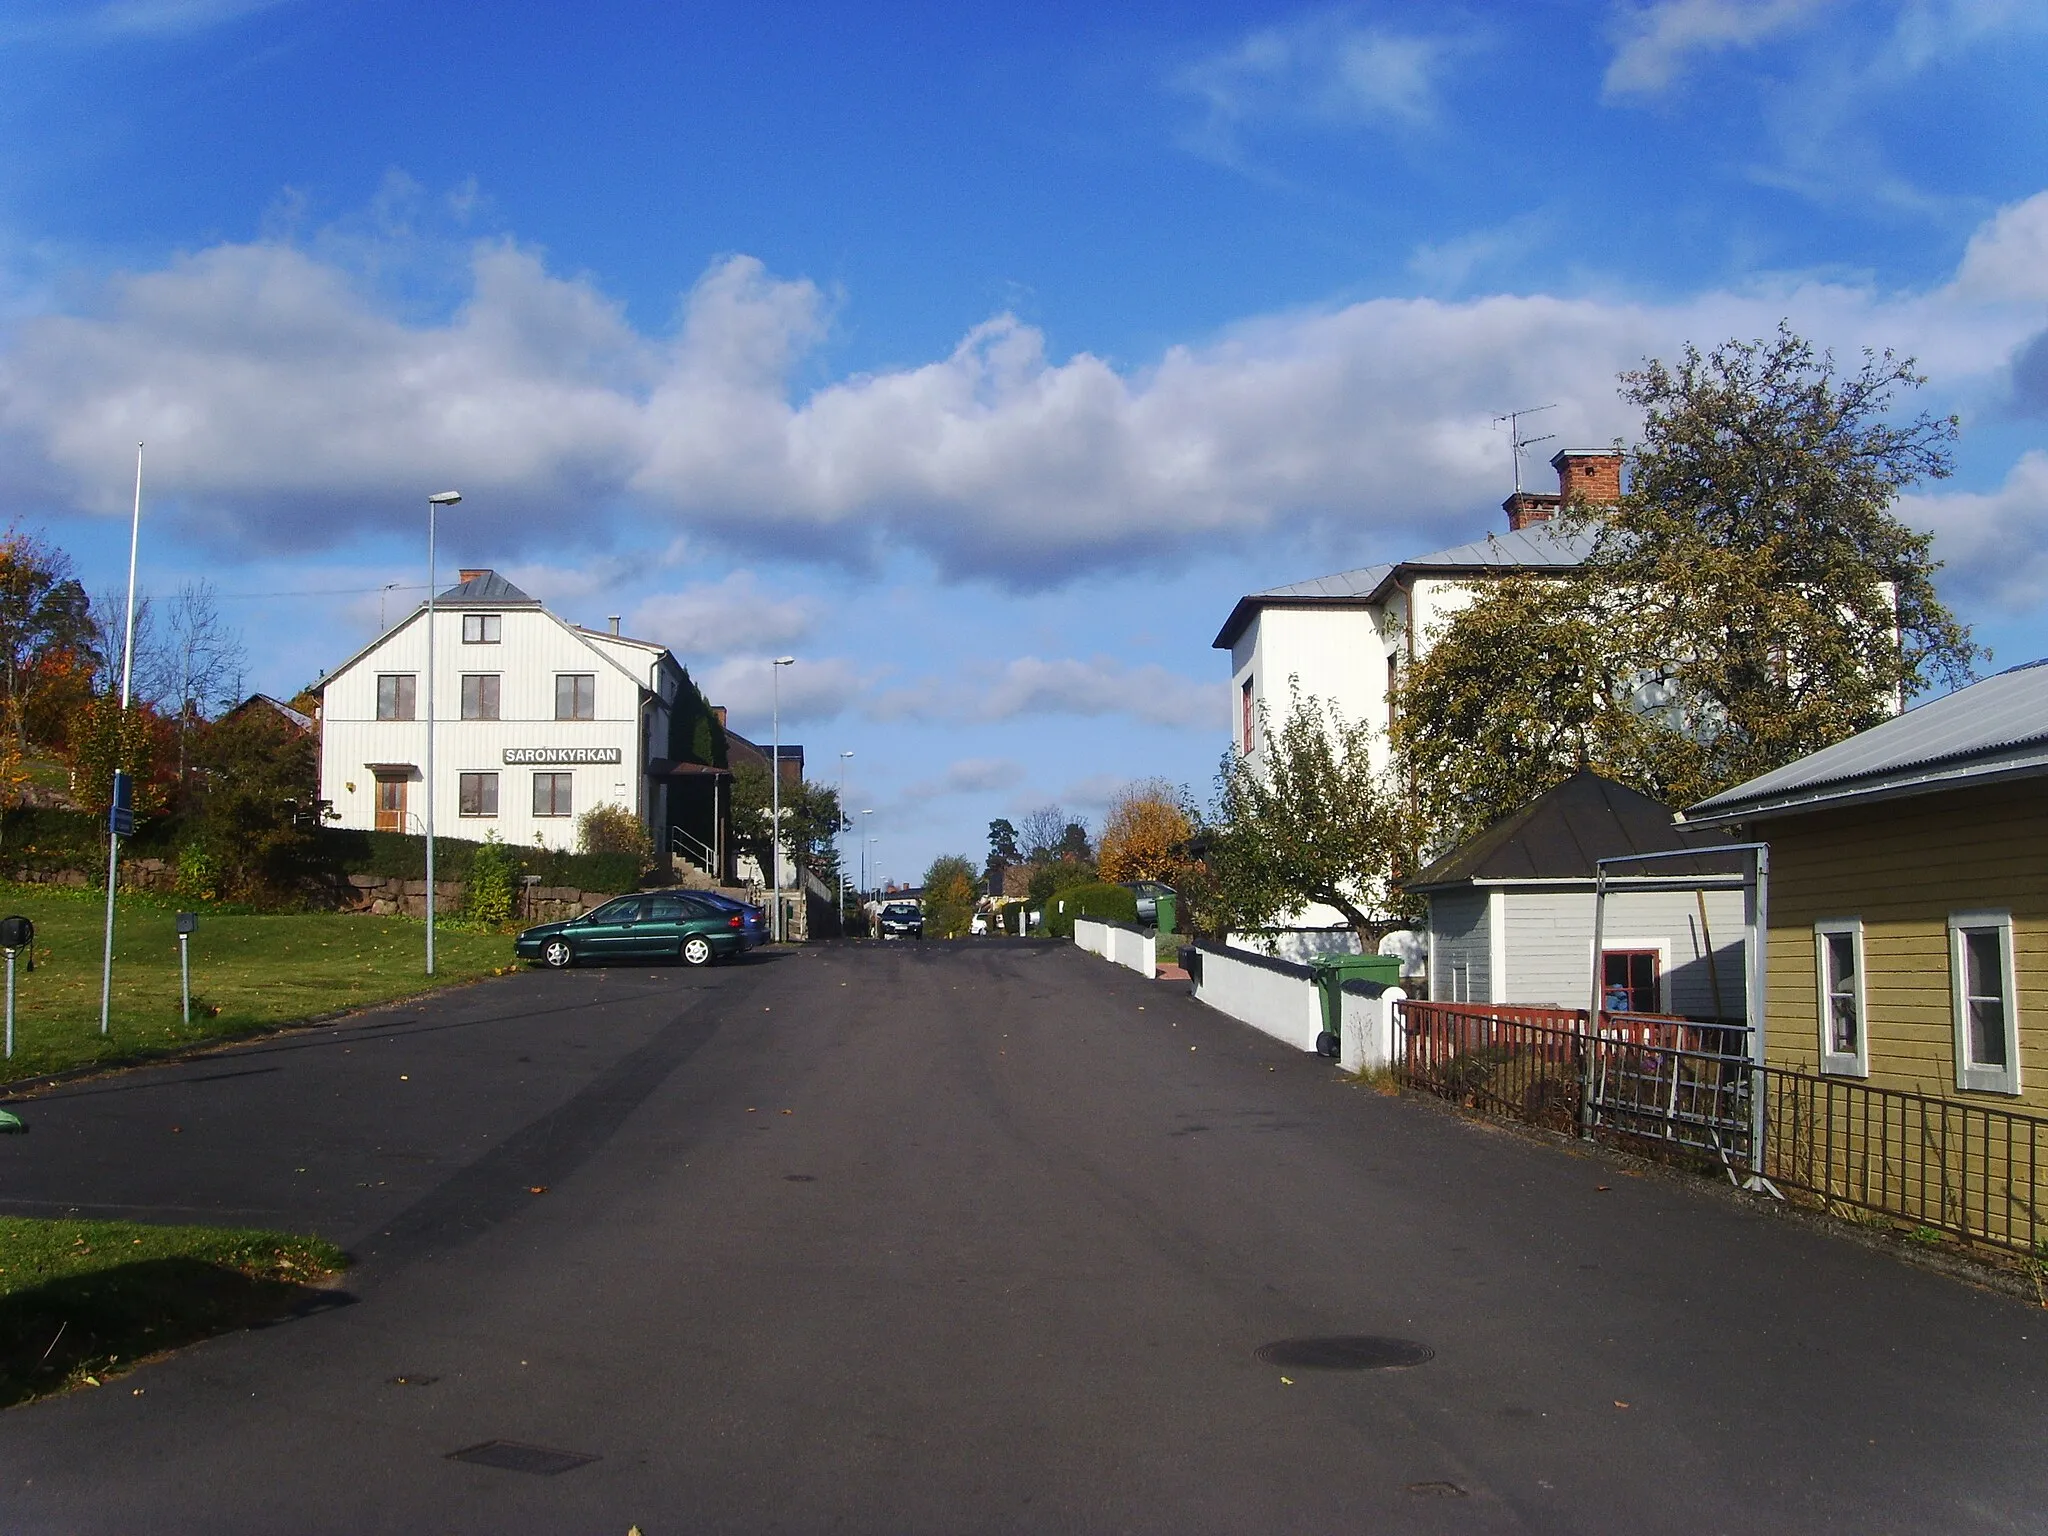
537	720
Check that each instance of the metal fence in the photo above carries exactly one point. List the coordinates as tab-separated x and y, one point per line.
1972	1170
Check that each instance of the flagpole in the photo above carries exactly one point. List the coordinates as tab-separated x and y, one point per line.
113	832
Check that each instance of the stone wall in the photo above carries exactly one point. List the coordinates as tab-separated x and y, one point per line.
383	894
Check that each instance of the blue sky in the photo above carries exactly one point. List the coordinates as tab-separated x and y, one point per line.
981	359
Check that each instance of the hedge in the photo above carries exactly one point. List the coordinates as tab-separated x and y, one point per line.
1113	902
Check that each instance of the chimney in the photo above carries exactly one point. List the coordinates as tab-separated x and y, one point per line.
613	620
1591	473
1527	507
719	710
461	576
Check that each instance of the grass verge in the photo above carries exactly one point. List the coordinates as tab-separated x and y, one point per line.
250	971
84	1301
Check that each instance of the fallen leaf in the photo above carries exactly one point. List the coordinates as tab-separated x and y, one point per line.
1619	1403
536	1189
1286	1381
1601	1189
789	1111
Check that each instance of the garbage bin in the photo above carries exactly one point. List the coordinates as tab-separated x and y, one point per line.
1165	912
1332	971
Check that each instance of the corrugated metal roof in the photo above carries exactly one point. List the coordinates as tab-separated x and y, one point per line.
1996	726
1561	833
485	587
1539	548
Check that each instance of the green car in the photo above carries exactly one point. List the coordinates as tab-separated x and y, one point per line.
663	925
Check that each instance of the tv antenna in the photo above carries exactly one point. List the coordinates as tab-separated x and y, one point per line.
1514	421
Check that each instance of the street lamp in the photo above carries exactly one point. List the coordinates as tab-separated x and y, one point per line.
865	828
775	794
839	822
435	502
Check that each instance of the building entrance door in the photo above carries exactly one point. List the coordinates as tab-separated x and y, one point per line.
390	803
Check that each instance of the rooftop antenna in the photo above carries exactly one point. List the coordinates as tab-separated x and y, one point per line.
1514	421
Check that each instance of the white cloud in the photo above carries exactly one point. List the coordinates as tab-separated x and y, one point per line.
735	613
1995	543
287	408
1032	685
1322	70
2007	258
814	690
1656	41
159	18
968	776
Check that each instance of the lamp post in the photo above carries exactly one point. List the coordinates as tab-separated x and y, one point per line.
839	823
435	502
865	827
775	793
120	818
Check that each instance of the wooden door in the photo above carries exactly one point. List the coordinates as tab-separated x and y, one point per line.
390	805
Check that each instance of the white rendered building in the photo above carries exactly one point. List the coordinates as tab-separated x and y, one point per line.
536	721
1343	638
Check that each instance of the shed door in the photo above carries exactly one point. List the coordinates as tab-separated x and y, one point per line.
390	803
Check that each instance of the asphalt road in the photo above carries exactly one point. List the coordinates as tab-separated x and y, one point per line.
974	1238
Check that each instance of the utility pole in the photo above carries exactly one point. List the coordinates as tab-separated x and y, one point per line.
1514	421
120	813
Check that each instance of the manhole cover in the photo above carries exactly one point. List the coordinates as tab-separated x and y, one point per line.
511	1456
1347	1352
1438	1490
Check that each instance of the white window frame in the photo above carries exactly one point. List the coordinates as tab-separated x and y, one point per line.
1836	1063
1971	1076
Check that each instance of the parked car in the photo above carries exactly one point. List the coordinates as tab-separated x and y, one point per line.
1148	893
902	920
687	926
752	919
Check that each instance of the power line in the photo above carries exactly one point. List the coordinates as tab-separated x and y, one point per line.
396	586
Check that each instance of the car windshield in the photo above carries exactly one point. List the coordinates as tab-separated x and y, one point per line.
899	912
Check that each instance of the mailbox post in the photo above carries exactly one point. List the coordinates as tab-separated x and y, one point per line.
188	923
16	933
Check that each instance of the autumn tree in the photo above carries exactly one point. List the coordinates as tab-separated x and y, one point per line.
949	897
137	740
47	641
1146	834
1310	820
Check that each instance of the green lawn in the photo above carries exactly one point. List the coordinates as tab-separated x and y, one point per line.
249	971
82	1301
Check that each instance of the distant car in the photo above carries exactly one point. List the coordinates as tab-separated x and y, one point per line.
692	927
902	920
1148	893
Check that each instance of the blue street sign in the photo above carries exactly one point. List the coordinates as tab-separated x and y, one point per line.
121	814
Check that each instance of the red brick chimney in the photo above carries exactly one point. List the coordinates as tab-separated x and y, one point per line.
1592	474
719	710
462	576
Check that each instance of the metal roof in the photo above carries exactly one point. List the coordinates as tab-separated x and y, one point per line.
486	587
1995	728
1539	548
1563	832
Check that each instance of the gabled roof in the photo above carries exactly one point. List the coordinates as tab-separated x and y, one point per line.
292	717
486	587
1540	548
1562	832
1996	728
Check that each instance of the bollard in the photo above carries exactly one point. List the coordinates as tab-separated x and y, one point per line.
16	933
10	1003
187	922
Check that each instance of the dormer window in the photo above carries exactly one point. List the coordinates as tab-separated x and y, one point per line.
482	628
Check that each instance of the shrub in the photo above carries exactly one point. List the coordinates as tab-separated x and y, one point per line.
198	873
493	882
614	829
1111	902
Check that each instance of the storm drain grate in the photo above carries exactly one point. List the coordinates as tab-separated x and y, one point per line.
1347	1352
511	1456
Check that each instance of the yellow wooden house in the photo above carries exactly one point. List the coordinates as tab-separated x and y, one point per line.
1908	898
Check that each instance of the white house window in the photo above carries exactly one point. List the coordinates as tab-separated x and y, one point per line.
395	694
480	696
1986	1002
575	696
1838	979
479	794
482	628
551	794
1249	726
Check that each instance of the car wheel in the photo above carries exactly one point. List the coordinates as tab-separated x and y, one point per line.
556	955
697	950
